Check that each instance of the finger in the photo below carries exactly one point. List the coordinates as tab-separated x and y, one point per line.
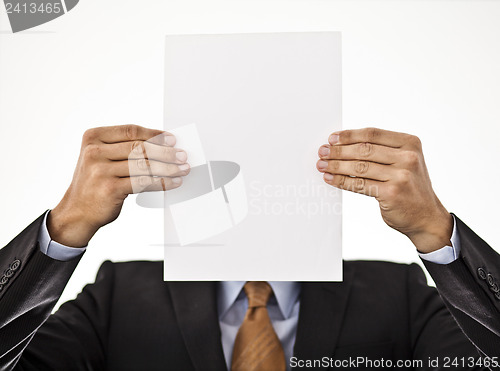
371	135
140	184
148	167
360	151
363	186
365	169
128	133
139	149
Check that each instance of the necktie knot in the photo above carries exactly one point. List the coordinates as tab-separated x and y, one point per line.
258	293
257	347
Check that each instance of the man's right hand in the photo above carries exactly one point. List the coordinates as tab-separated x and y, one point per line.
114	161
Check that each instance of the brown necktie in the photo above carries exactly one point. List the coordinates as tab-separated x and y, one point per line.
257	346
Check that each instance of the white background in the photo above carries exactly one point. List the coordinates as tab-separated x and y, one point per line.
430	68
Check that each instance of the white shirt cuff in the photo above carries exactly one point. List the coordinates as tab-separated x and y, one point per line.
53	249
447	254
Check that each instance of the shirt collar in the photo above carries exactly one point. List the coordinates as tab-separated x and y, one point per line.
286	293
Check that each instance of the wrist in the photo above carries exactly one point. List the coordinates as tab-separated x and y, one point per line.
69	228
436	235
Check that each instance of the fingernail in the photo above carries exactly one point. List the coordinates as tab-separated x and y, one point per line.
169	140
328	177
322	165
334	138
184	167
324	151
176	180
181	156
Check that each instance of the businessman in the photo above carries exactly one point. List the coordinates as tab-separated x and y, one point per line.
130	319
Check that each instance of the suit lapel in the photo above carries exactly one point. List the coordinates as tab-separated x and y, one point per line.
322	309
195	306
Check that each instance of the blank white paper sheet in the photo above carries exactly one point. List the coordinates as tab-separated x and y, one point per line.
252	111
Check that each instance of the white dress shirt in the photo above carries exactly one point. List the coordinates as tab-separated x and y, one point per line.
232	303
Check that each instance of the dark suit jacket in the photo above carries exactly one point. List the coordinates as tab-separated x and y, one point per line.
470	287
130	319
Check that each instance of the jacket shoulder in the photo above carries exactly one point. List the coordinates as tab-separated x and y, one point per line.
380	265
130	271
387	273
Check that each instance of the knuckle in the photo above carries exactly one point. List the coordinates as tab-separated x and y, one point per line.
411	159
415	141
137	148
372	134
142	164
361	167
334	165
365	149
97	172
144	181
404	176
373	190
89	135
341	181
131	132
359	184
91	151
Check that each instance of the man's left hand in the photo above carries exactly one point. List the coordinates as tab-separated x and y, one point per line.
389	166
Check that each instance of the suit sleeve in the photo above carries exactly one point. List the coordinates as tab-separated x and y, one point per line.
470	289
30	285
433	332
